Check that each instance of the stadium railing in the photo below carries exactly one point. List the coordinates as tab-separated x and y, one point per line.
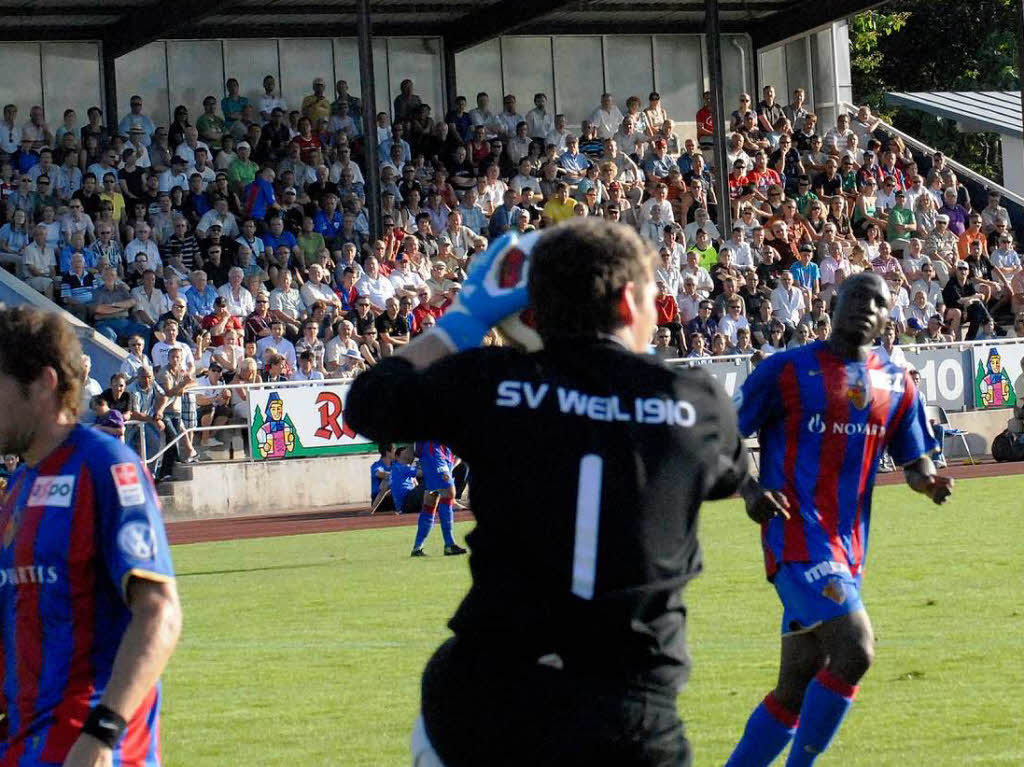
138	437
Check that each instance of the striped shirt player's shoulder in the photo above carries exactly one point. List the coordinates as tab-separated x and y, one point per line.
103	453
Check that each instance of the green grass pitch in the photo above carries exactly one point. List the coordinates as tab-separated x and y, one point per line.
306	651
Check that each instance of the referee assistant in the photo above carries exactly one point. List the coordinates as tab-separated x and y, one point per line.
569	647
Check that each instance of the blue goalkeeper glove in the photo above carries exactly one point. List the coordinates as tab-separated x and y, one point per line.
495	288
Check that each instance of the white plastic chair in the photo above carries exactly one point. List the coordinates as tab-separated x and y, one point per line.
938	415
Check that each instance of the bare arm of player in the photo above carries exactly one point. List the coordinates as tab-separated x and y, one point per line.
921	477
762	505
141	657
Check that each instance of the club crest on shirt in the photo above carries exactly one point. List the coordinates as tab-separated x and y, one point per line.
834	590
858	386
136	540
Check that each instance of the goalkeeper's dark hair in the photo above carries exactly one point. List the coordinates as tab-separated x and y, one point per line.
578	272
31	340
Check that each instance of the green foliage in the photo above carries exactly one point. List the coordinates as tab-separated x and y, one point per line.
307	650
937	45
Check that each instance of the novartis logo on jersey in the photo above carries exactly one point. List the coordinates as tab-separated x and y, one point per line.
28	574
818	425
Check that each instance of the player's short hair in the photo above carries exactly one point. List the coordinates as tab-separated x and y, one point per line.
578	272
31	340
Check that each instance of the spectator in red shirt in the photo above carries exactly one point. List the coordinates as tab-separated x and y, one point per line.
307	140
219	320
705	125
426	308
668	314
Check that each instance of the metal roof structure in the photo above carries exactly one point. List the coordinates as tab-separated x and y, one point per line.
975	111
124	25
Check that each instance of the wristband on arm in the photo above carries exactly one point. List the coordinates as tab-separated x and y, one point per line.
104	724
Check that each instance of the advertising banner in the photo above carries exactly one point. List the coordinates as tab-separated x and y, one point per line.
996	374
301	422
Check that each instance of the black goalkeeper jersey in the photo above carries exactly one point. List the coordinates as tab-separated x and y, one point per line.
589	464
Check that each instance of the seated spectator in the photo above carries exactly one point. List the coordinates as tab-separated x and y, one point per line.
150	301
240	302
76	288
40	262
107	420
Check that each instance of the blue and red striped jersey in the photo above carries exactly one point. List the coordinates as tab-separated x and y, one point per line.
435	455
823	422
74	530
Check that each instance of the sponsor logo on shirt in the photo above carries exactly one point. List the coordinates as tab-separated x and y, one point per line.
28	574
53	491
817	425
129	484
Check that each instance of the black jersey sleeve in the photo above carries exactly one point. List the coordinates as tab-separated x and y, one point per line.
729	465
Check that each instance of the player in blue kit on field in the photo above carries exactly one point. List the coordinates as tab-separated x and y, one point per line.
437	462
406	492
824	413
89	612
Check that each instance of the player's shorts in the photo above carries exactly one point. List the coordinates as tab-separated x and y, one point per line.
436	477
483	706
815	592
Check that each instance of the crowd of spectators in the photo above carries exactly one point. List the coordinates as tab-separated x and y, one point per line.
235	246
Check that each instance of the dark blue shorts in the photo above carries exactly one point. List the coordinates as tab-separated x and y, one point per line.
815	592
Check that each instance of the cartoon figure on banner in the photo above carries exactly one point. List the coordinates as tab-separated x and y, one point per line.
993	385
275	437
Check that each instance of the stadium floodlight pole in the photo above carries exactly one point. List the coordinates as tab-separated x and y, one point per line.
713	33
369	115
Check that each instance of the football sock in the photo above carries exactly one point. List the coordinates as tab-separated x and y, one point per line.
768	731
446	517
826	702
423	528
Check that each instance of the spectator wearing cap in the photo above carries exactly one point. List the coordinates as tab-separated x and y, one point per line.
242	170
175	176
901	223
316	106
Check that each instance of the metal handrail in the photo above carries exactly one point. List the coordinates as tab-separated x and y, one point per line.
190	431
737	359
962	170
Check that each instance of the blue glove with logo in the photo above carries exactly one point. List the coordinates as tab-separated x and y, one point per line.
495	289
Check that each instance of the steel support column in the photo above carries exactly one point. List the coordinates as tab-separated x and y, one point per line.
109	87
372	174
714	41
451	89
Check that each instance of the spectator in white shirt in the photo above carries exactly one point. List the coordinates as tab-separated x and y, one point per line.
539	122
375	286
276	340
606	118
240	301
788	301
144	244
268	101
740	249
315	290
